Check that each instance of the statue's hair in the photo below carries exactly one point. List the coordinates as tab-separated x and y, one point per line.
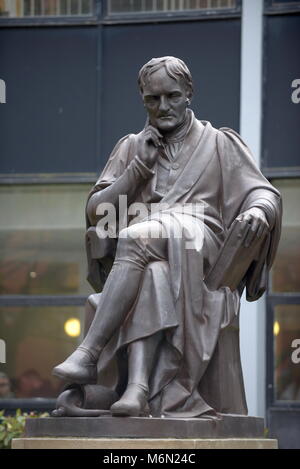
174	67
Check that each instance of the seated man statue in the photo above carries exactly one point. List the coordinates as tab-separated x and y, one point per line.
157	322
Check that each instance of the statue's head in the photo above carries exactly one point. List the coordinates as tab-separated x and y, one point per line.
167	88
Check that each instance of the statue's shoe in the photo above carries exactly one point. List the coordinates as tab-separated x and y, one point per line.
133	403
80	367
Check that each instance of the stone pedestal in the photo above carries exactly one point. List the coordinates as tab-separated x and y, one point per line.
226	426
106	432
143	443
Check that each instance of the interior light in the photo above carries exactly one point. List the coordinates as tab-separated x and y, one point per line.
276	328
72	327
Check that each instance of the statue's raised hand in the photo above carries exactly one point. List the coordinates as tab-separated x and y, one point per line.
149	142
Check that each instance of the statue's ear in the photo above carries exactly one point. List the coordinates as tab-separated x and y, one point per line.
189	95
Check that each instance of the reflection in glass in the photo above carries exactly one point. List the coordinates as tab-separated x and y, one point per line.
38	8
86	7
32	8
286	372
285	273
63	7
74	7
36	340
27	9
50	7
141	6
284	2
42	240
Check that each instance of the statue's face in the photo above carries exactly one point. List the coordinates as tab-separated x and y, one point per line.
165	100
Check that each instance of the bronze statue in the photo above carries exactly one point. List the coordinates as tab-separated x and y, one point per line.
159	334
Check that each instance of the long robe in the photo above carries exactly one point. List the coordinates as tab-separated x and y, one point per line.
213	168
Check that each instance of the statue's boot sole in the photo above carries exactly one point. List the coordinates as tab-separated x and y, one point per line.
75	377
129	413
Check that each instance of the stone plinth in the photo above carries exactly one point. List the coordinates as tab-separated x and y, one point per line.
145	444
227	426
106	432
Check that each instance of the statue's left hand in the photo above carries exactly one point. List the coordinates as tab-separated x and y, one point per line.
255	222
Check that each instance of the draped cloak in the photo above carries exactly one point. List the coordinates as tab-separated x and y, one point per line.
214	168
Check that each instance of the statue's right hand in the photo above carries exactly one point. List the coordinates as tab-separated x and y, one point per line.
148	143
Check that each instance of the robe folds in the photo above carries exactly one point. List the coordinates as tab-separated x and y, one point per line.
215	170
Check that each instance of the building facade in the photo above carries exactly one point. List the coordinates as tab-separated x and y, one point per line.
68	75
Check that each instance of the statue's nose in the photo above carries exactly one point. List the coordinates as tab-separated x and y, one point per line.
164	104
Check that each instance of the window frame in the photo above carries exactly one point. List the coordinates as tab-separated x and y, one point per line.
48	178
36	404
272	301
270	8
101	16
273	407
55	20
166	16
33	404
10	405
273	172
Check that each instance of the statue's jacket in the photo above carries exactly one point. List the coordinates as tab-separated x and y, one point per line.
214	171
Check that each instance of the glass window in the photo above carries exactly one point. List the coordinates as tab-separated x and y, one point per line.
154	6
287	370
42	240
285	2
36	340
285	273
32	8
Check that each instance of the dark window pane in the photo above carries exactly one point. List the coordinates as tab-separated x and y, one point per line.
286	269
284	2
281	136
286	331
37	339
